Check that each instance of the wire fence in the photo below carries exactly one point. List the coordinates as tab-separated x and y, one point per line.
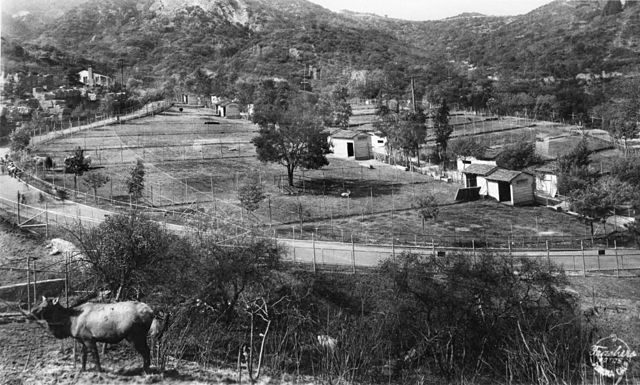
62	128
31	277
352	256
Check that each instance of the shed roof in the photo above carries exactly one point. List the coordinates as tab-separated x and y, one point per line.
346	134
479	169
502	175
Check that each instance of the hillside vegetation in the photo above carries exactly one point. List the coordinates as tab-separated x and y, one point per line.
181	42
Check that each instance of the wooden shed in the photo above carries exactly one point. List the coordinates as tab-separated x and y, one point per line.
475	175
350	144
513	187
229	110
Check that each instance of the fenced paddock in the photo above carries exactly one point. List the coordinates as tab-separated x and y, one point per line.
194	167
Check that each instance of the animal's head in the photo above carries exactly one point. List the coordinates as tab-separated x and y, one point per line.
48	309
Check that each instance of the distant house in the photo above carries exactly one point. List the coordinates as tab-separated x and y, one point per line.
89	78
229	110
351	144
191	99
513	187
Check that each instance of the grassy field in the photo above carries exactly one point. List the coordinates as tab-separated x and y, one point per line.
193	164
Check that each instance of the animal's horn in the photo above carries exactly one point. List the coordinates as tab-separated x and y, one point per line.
56	300
44	299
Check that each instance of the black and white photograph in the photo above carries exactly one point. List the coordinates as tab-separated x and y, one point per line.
328	192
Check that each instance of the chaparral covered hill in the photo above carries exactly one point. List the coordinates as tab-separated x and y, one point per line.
227	40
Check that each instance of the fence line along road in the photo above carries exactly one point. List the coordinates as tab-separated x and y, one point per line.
321	254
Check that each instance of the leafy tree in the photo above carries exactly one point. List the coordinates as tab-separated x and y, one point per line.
95	180
135	180
620	115
126	252
467	146
291	132
427	207
576	159
412	132
77	165
518	156
250	195
628	170
405	130
442	129
573	170
19	139
228	272
334	108
598	199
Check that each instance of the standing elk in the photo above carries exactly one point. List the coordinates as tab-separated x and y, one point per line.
90	323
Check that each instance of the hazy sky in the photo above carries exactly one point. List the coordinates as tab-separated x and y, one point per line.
433	9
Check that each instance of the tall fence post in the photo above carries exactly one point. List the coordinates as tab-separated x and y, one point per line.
46	220
615	248
18	211
584	264
313	242
28	283
393	248
548	254
353	254
35	280
473	245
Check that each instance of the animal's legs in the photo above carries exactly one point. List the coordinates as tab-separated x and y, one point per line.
84	357
140	344
94	351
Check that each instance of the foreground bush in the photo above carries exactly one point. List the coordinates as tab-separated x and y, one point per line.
459	317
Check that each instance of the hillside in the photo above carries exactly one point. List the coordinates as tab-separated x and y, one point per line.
183	42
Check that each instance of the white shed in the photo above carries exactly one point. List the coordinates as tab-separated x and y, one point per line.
513	187
351	144
546	181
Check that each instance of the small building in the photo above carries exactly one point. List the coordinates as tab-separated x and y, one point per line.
89	78
546	181
191	99
351	144
512	187
379	143
475	175
229	110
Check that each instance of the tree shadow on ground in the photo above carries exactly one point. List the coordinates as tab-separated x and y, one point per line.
358	188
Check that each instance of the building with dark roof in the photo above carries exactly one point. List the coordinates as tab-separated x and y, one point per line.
508	186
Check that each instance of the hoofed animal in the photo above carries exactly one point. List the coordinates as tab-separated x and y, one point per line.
90	323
